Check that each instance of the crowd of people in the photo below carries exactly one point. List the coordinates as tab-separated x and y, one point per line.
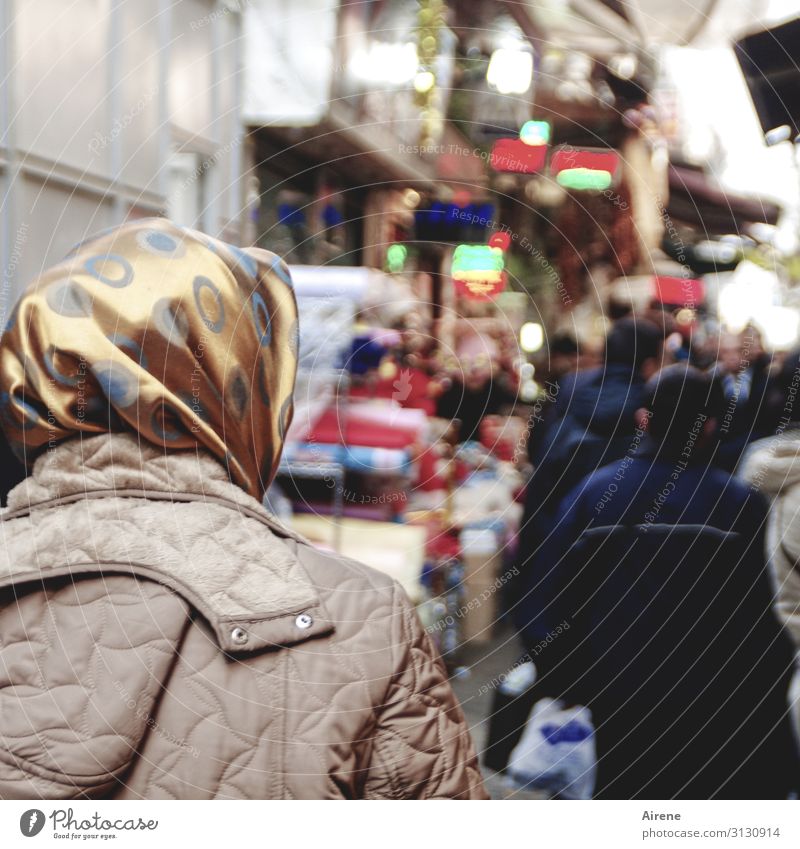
661	523
479	378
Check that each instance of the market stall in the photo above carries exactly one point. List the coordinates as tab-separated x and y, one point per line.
369	470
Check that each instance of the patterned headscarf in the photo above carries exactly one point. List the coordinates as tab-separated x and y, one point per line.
159	330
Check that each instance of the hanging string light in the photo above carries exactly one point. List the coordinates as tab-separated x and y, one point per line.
430	22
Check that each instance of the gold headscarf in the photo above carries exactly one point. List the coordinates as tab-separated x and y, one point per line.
160	330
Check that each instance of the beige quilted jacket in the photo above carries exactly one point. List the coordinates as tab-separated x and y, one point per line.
161	636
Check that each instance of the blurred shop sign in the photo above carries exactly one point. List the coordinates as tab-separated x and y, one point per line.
568	158
478	271
449	222
679	290
518	157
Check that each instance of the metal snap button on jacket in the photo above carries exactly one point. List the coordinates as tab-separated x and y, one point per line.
239	636
304	621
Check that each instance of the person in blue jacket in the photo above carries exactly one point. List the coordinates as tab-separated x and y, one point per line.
592	418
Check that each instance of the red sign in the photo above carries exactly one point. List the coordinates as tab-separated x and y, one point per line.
687	291
517	157
500	240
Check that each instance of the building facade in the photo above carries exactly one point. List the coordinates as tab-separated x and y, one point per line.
111	109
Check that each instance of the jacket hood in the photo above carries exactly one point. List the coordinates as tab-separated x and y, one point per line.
127	484
162	331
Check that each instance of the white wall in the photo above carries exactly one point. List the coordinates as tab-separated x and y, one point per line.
95	96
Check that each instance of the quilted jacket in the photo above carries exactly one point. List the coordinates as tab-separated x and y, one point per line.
773	466
162	636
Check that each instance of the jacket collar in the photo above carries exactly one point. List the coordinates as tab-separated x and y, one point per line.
117	461
253	588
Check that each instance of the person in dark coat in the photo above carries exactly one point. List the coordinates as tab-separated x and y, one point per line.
743	372
656	563
590	422
593	414
476	392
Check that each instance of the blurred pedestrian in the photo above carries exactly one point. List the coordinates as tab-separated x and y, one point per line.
161	635
476	389
743	372
563	359
594	411
590	422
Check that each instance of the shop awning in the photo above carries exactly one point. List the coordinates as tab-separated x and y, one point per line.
695	200
361	155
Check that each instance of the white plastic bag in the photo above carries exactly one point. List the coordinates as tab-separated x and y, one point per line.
556	752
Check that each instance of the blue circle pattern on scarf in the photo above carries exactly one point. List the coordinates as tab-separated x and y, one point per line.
201	283
103	259
262	319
